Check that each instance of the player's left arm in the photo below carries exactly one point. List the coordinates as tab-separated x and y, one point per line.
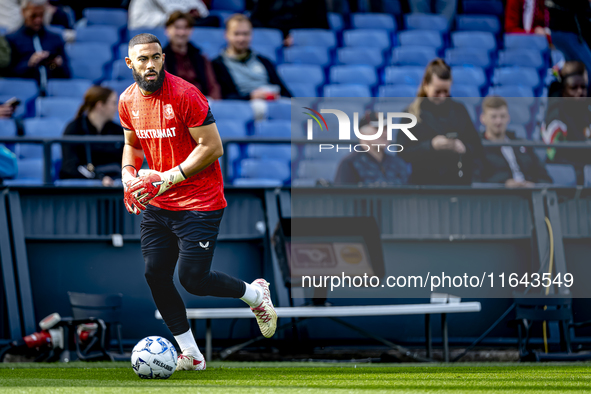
209	148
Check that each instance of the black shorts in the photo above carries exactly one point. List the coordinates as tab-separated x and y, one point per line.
185	232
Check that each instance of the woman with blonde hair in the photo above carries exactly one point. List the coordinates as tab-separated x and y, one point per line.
94	160
447	148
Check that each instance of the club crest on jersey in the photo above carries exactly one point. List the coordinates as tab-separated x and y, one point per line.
204	245
136	114
168	111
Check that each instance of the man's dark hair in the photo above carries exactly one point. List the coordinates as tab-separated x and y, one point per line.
144	38
178	15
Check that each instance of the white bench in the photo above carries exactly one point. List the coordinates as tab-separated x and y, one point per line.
335	312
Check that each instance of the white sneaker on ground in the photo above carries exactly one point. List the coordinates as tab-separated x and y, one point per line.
189	363
265	312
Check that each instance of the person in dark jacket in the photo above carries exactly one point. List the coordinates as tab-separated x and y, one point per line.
512	166
375	166
35	51
448	147
96	160
568	118
242	73
185	60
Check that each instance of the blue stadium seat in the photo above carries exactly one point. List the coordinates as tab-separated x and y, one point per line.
458	90
279	110
335	21
269	151
44	127
511	91
562	174
373	21
213	36
265	169
30	171
413	56
519	111
307	55
468	57
78	182
525	41
118	86
222	15
397	91
317	169
466	75
302	89
474	39
404	75
211	51
311	152
231	128
84	60
98	33
525	76
522	57
157	31
41	127
257	182
483	7
355	74
314	37
421	38
230	5
122	51
232	110
367	38
346	90
587	173
106	16
300	73
7	128
355	55
417	21
75	88
268	51
264	36
23	89
120	70
273	129
64	108
479	23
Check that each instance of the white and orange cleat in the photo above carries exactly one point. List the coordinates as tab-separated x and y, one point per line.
189	363
265	312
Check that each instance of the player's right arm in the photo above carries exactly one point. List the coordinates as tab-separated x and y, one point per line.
133	157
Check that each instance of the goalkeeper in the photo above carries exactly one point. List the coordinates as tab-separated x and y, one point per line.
182	195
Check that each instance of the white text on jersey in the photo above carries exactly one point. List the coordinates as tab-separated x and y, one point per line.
156	133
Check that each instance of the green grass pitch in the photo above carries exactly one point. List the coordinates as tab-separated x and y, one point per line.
242	377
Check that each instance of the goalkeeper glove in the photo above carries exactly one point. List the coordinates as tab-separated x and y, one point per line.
151	184
128	177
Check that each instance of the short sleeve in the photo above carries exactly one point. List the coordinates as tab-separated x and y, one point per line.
194	107
124	115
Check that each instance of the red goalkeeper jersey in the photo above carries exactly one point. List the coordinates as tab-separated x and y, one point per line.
161	121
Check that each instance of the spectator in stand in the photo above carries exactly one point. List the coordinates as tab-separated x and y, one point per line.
4	55
184	60
99	160
155	13
527	17
512	166
446	8
448	149
289	14
37	52
242	73
570	28
568	119
376	166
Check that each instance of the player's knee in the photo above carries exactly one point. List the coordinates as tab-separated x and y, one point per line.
153	276
197	283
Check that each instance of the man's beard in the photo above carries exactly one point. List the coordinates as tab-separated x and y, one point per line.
149	86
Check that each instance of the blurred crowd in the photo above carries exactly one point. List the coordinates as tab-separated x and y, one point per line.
38	36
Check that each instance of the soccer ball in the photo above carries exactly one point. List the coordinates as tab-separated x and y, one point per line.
154	358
